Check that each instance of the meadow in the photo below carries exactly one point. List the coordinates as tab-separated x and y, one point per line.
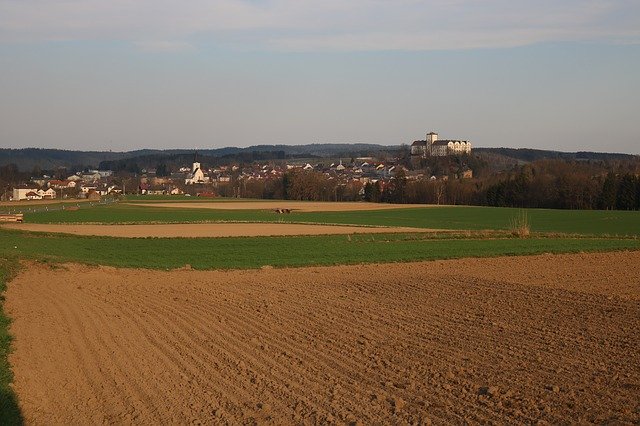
255	252
583	222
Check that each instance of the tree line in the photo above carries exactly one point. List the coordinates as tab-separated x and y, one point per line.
557	184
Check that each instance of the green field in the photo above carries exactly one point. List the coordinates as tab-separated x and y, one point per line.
584	222
254	252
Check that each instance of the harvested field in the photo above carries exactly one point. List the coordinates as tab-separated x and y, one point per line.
299	206
195	230
482	340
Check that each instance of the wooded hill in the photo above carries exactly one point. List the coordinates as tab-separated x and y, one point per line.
48	159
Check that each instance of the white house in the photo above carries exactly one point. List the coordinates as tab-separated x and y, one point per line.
102	173
61	184
85	189
92	176
48	194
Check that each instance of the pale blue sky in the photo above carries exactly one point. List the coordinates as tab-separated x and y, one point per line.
125	75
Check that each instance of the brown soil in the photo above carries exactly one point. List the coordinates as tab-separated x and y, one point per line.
195	230
509	340
26	203
301	206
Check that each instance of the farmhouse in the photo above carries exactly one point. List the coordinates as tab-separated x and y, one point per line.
48	194
157	190
434	147
62	184
88	188
21	192
33	193
91	177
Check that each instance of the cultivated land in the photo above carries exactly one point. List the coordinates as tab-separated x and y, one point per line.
207	230
488	340
255	252
31	203
550	337
584	222
301	206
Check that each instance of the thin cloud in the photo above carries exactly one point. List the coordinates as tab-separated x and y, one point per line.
164	46
328	25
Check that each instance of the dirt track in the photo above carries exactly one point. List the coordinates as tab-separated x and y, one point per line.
504	340
196	230
301	206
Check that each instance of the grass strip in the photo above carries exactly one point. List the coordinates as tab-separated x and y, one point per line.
586	222
255	252
9	409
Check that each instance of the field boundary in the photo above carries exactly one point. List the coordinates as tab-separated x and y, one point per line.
9	409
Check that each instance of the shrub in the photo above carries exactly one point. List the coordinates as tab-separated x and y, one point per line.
519	225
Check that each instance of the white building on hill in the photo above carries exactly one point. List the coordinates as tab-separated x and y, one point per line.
432	146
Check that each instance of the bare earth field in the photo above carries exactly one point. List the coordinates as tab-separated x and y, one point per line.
505	340
199	230
26	203
301	206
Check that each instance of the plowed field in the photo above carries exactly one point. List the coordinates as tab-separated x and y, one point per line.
503	340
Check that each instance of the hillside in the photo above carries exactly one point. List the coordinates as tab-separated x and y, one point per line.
528	155
28	158
47	159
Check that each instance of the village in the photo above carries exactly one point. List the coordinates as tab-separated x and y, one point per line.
348	177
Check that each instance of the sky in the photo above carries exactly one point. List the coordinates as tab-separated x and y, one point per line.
121	74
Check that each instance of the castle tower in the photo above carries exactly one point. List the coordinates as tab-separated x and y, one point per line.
431	138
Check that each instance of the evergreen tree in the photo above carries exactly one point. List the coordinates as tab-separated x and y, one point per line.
368	190
607	199
162	171
626	199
